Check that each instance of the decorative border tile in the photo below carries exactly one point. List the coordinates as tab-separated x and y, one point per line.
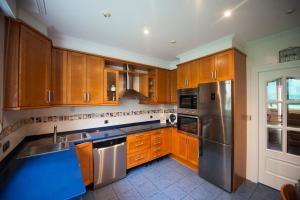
85	116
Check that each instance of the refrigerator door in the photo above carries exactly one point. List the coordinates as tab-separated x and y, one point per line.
215	111
215	163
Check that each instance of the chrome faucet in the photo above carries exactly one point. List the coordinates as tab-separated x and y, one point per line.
54	134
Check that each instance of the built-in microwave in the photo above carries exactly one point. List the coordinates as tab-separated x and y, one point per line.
187	101
189	124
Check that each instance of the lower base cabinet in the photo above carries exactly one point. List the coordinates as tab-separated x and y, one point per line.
146	146
85	156
185	148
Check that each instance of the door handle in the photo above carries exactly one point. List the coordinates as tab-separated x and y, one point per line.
84	97
88	96
49	96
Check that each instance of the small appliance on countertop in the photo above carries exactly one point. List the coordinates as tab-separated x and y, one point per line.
173	118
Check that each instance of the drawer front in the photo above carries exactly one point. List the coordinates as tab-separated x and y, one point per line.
138	158
138	136
157	139
156	152
138	145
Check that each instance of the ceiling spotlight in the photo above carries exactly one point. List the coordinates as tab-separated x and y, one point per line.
107	15
227	13
173	42
146	31
290	11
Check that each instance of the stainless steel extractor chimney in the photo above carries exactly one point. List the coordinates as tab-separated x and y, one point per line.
129	91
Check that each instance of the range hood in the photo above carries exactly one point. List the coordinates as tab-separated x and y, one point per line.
129	81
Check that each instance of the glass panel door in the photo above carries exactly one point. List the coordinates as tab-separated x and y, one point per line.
111	85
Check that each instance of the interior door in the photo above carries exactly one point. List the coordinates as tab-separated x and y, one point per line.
279	127
35	69
94	79
76	79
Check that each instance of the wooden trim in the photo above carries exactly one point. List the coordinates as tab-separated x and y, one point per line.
184	162
212	54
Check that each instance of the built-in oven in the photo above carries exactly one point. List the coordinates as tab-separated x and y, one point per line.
189	124
187	101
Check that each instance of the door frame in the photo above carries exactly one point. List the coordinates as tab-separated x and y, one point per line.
253	114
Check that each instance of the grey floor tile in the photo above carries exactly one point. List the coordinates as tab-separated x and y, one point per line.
188	197
200	193
88	196
186	184
147	190
263	192
130	195
246	190
161	182
137	179
174	192
121	186
159	196
105	193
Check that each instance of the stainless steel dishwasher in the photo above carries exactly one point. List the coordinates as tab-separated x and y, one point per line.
109	160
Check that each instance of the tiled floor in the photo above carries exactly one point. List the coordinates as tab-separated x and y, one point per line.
166	179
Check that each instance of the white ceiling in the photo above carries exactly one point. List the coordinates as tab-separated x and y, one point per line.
190	22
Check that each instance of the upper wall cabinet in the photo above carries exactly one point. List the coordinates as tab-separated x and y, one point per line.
111	86
173	86
217	67
27	73
77	78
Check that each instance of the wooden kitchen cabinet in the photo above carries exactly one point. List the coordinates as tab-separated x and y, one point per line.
206	69
224	67
111	86
76	79
183	72
185	148
27	72
59	80
85	157
173	86
94	79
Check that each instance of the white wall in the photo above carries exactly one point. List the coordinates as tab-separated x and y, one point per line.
262	54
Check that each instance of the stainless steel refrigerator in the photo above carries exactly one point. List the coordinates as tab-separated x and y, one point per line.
215	149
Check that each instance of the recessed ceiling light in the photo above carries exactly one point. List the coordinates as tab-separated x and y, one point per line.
146	31
107	15
227	13
290	11
172	41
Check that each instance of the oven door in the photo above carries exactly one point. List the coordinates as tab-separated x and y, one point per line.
188	124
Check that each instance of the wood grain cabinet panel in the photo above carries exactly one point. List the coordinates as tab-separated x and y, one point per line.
111	80
183	72
27	67
192	150
85	156
76	79
59	79
224	67
94	79
138	158
193	78
173	86
206	69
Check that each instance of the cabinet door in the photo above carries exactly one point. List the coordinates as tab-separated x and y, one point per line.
182	146
35	68
182	76
166	140
76	79
224	66
111	86
206	69
192	150
94	79
144	84
85	158
162	86
193	79
173	86
58	80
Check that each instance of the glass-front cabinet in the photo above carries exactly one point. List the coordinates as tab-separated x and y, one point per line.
111	86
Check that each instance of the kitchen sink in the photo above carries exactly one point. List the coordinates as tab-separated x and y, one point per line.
43	149
74	137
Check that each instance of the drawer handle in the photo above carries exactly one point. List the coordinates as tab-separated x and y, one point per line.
157	149
157	155
141	135
157	136
157	143
138	145
139	158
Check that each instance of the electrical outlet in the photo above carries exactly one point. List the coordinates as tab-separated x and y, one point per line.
5	146
106	121
151	116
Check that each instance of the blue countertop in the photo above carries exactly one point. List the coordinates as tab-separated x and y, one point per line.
55	175
51	176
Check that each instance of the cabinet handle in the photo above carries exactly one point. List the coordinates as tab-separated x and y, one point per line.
157	143
215	74
157	149
212	75
139	158
88	96
49	96
156	155
84	97
138	145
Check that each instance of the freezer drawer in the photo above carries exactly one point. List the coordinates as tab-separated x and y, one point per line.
109	164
